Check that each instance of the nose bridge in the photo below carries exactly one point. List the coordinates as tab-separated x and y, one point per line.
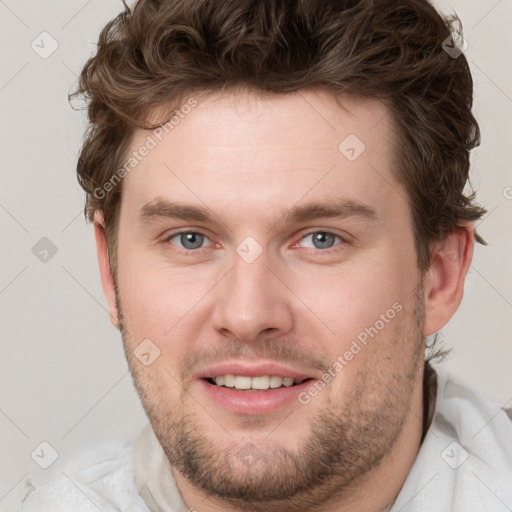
251	298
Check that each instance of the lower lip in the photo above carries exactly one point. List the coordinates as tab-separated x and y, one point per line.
254	401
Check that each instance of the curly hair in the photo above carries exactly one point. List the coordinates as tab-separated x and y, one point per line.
151	56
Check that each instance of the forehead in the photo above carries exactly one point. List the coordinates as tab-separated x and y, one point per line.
254	152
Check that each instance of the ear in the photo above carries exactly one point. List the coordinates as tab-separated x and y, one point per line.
444	283
107	276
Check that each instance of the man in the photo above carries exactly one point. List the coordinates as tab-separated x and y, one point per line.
277	192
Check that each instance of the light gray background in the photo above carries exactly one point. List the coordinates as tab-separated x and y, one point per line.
63	376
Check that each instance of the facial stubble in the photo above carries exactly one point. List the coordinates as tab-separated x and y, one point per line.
347	440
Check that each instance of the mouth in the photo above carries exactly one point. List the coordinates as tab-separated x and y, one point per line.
244	389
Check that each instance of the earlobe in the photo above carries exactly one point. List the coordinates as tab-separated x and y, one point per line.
444	283
107	276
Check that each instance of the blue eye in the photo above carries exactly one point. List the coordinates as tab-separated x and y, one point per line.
192	241
322	239
189	240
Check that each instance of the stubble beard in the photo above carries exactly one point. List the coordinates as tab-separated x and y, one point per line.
346	441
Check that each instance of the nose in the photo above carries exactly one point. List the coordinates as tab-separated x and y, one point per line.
253	302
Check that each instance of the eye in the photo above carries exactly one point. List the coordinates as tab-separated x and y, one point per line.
188	240
322	240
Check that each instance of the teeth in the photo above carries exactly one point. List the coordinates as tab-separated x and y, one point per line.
276	382
262	382
287	381
229	381
242	382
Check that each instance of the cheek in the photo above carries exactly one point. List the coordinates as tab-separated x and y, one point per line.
160	303
353	297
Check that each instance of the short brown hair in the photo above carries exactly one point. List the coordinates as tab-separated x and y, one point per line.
152	55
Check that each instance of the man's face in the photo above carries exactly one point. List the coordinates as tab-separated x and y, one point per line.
264	288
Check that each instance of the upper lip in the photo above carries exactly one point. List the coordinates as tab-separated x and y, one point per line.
252	370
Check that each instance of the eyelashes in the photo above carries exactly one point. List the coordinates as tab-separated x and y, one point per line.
181	236
192	242
323	233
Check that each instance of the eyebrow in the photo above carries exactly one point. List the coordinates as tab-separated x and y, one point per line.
161	208
164	209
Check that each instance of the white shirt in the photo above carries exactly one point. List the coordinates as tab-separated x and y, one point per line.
464	465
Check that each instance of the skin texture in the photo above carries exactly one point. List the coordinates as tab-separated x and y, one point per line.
248	159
